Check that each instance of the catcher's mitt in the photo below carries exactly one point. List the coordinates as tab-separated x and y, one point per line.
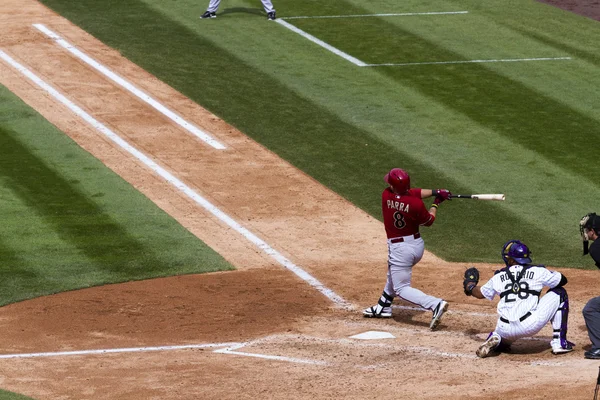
471	280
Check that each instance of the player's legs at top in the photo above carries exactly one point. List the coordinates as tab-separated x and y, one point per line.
213	5
268	6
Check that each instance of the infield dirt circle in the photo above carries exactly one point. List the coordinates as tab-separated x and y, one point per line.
275	335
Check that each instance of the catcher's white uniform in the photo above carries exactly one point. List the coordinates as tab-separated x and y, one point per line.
521	311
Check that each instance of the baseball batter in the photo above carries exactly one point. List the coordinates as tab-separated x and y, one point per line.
521	311
213	5
403	214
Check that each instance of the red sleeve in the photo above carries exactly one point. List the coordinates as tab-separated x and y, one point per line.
424	218
431	220
415	192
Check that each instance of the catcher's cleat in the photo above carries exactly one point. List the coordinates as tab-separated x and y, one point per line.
561	348
488	346
441	308
371	312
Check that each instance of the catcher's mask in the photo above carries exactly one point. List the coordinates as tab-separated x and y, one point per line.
589	222
398	179
516	250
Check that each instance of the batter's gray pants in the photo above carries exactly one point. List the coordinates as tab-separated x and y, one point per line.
214	5
591	315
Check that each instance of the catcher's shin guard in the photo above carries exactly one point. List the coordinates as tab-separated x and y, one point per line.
383	308
560	344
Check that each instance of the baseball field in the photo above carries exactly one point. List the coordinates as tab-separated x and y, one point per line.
191	207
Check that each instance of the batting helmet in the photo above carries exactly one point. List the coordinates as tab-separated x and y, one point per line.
398	179
516	250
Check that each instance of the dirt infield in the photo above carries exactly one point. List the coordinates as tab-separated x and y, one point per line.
271	334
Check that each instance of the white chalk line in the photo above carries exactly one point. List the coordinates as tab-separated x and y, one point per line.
321	43
200	134
378	15
360	63
170	178
112	351
468	61
231	348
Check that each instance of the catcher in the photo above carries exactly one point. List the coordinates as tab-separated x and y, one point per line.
522	312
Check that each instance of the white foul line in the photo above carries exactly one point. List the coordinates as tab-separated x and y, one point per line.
178	184
200	134
360	63
321	43
232	350
123	350
468	61
377	15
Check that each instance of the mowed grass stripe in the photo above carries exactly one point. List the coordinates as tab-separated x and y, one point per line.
71	223
77	218
303	130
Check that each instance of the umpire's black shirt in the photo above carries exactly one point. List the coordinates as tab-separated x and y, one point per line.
595	251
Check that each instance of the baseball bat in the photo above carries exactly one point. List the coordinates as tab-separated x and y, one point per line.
478	196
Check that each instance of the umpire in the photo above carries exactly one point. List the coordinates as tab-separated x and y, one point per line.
590	230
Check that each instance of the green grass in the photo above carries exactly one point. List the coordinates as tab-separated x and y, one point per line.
4	395
523	129
68	222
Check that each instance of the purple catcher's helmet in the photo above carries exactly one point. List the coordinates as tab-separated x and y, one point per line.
516	250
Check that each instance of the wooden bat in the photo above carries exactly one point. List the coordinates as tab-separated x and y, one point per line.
478	196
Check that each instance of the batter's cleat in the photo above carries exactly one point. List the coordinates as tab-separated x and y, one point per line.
489	345
271	16
371	312
560	348
441	308
208	14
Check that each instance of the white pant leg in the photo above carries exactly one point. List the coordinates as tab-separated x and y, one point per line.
268	6
539	317
402	257
213	5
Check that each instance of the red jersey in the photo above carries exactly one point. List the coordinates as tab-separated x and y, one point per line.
404	213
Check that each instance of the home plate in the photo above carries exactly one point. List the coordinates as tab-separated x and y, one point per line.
373	335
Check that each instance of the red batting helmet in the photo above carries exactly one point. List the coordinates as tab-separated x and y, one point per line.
398	179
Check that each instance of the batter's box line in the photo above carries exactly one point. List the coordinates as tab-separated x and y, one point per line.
360	63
